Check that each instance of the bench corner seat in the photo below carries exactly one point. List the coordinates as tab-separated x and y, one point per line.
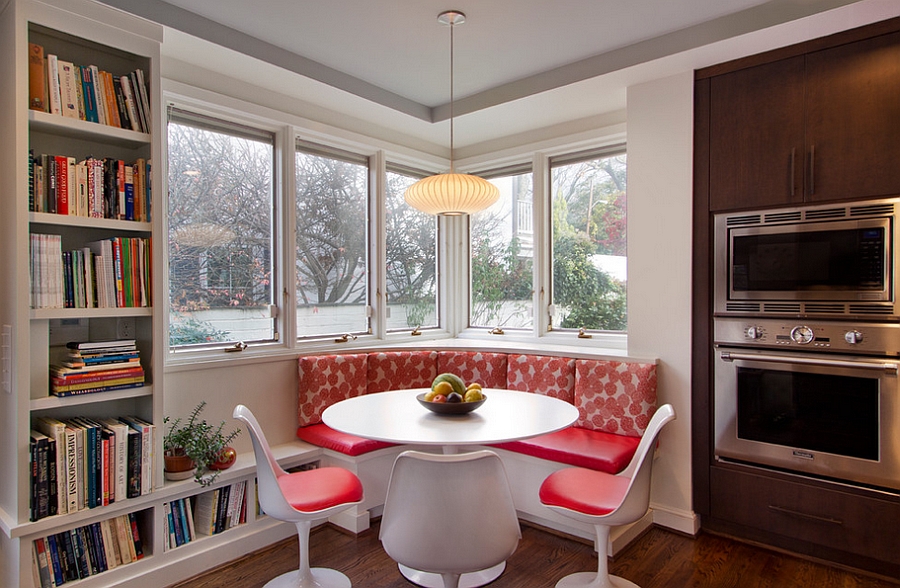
324	436
575	446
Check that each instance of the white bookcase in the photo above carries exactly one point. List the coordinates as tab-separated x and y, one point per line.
89	33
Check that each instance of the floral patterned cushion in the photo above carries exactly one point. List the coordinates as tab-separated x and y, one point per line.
326	379
396	370
615	397
488	369
543	374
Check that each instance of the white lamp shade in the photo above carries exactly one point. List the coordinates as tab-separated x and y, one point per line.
451	194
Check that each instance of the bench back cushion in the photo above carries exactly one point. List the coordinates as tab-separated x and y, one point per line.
488	369
615	397
397	370
542	374
326	379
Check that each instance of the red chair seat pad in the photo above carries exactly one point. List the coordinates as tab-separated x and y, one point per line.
324	436
585	448
585	491
321	488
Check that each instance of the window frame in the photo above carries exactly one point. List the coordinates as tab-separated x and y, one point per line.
206	116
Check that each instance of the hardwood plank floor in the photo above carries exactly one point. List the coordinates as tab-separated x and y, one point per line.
659	559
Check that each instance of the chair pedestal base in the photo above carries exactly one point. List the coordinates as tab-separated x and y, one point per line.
589	580
321	578
467	580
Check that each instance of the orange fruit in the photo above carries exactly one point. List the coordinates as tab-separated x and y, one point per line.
444	388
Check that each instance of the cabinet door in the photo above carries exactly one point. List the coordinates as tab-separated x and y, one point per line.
756	136
853	120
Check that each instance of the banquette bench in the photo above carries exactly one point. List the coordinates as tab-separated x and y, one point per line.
615	401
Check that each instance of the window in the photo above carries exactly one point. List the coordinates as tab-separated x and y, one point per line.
502	257
411	268
332	249
588	248
220	234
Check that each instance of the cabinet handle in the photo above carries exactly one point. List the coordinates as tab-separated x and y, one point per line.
793	178
812	170
804	515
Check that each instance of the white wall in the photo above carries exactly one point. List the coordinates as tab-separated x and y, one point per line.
660	139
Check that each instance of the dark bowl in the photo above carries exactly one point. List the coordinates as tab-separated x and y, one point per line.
450	407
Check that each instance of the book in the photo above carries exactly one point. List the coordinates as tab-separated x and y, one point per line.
53	551
53	89
133	447
148	433
123	533
108	545
40	475
37	78
56	430
136	536
89	93
120	430
67	89
99	94
130	104
205	512
62	184
42	563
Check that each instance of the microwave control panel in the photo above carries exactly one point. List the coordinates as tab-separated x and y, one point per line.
882	339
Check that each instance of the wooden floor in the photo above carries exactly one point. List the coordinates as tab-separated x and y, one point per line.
659	559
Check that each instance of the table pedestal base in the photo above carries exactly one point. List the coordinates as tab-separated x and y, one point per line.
468	580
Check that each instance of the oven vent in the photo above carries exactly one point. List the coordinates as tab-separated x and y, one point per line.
826	213
883	310
748	219
873	210
742	307
792	307
823	308
781	217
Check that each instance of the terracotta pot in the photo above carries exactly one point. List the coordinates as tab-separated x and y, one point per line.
179	467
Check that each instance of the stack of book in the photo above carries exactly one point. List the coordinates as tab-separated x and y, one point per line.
86	92
178	523
86	551
97	366
80	463
221	509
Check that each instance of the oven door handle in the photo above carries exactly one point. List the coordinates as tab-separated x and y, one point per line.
866	365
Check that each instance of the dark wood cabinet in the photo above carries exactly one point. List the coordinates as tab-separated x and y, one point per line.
822	518
816	127
853	120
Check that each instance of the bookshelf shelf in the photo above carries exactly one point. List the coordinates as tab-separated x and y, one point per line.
61	220
55	402
72	313
79	129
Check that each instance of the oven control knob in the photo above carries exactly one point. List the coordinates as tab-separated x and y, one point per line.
853	337
802	335
754	332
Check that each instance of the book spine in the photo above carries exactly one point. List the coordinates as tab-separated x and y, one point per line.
68	93
90	97
136	536
37	78
53	90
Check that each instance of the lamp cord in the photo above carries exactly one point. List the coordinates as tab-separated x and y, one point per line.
451	95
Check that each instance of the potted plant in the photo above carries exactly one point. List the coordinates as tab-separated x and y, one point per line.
194	447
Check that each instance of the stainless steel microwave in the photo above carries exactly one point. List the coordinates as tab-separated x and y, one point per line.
833	260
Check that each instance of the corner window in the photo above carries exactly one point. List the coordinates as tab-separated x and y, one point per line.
588	240
411	259
220	233
332	246
502	257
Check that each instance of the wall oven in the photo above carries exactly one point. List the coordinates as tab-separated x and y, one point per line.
818	398
834	260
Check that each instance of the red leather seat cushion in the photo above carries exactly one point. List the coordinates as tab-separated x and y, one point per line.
314	490
586	448
585	491
324	436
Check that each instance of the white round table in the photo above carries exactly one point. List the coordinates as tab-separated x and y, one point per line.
397	417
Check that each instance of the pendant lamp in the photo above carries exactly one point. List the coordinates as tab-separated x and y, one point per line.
451	194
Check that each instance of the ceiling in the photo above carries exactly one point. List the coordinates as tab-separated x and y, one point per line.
520	65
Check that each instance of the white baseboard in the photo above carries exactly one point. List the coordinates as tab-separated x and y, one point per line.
683	521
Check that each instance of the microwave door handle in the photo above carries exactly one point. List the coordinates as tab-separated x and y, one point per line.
825	362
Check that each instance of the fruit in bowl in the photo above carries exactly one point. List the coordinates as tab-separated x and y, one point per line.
450	395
